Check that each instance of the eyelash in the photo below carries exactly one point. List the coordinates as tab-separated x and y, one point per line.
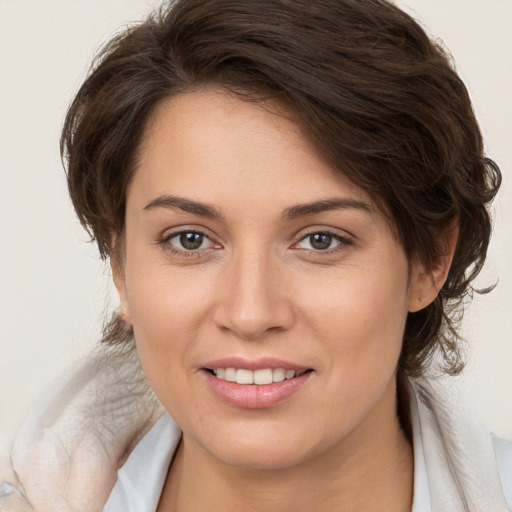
165	241
343	242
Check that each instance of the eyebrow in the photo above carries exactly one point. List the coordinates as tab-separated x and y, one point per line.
187	205
336	203
300	210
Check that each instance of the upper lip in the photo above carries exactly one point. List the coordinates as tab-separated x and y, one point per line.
254	364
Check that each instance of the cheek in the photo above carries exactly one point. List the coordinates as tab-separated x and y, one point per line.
360	330
164	324
361	320
361	302
167	310
379	308
161	296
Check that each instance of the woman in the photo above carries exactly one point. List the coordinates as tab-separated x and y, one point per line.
293	198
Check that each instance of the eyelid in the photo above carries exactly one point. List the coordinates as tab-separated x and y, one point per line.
169	234
345	239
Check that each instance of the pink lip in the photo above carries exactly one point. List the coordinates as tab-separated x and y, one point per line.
253	364
252	396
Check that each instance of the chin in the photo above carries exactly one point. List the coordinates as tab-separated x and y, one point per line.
259	458
269	448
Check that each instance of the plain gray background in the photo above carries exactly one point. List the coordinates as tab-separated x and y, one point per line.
53	288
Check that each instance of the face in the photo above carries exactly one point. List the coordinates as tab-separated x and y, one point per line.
267	294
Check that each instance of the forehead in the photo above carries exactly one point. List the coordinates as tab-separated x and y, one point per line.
215	136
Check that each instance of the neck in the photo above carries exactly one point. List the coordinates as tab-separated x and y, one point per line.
371	469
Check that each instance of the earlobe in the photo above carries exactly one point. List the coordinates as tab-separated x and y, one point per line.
120	284
426	282
422	290
125	314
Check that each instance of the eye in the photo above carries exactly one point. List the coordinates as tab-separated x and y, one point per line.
321	241
189	241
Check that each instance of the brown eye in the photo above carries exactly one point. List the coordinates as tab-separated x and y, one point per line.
188	241
320	241
324	242
191	241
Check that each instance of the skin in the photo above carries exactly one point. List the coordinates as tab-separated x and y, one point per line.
257	287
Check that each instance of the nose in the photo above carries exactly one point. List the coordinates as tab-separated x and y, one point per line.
254	301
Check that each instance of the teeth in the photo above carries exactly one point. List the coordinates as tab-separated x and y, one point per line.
259	377
263	376
230	374
244	377
278	374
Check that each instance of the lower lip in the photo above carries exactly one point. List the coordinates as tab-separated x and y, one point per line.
254	396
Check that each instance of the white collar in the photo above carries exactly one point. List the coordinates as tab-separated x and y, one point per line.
142	477
460	456
421	493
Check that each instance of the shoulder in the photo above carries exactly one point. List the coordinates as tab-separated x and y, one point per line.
80	431
503	453
141	479
467	467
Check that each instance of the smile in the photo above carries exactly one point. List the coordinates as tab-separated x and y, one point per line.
260	377
255	389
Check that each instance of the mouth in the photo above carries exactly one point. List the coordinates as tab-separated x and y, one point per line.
259	383
260	377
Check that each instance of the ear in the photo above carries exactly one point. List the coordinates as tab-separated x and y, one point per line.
120	283
427	282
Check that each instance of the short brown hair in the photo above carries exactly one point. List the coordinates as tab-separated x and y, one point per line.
379	99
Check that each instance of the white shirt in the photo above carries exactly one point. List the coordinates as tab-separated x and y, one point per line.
142	478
